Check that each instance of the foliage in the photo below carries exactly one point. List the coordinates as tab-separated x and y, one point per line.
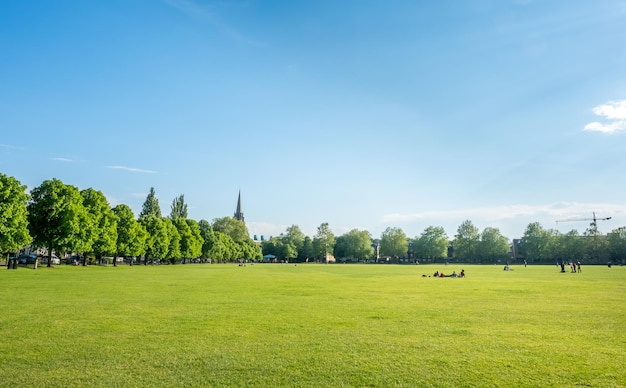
103	223
57	218
354	245
206	232
179	208
13	215
597	244
617	243
431	244
151	205
249	250
190	239
173	250
324	242
466	242
223	247
131	235
394	243
158	240
493	245
233	227
535	242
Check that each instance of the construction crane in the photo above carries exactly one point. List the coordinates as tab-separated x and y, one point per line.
594	220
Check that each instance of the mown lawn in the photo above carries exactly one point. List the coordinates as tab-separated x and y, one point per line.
312	325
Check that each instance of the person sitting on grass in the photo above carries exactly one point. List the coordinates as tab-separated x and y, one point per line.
462	274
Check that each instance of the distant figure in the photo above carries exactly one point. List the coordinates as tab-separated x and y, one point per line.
441	275
462	274
436	274
507	268
578	264
562	267
525	263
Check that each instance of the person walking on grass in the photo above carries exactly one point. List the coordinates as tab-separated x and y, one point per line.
578	265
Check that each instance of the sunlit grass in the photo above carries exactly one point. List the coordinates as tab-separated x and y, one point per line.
312	325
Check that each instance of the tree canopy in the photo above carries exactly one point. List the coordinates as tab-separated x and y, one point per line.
13	215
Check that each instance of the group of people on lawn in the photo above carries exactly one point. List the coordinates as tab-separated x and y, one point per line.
438	274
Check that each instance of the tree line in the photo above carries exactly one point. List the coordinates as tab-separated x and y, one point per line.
63	219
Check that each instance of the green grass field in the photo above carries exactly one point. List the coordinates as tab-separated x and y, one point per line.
312	326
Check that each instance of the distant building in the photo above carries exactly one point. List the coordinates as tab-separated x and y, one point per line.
238	213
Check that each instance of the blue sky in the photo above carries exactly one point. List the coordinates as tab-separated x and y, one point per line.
363	114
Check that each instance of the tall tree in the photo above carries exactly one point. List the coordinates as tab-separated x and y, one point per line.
535	243
232	227
131	235
354	245
250	250
394	243
151	205
572	246
57	218
173	251
466	241
493	245
324	242
617	244
307	249
190	239
104	223
206	232
294	236
158	240
179	208
597	244
431	244
13	215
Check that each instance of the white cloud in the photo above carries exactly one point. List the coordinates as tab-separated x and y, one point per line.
63	160
10	147
614	115
132	169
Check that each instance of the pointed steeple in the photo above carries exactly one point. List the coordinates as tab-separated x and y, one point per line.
238	212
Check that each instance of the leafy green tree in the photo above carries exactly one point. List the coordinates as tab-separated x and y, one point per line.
617	244
190	239
597	244
294	236
206	232
232	227
13	215
307	249
572	246
131	235
179	208
493	245
324	242
223	247
394	243
158	240
57	218
250	250
151	205
103	222
431	244
535	243
173	251
466	241
354	245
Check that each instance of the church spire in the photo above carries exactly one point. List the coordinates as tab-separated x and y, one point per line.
238	212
